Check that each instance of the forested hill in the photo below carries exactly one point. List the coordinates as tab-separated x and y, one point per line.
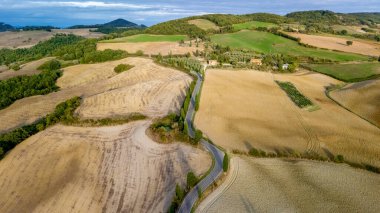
330	18
5	27
112	24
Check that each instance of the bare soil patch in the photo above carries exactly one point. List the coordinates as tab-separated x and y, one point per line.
104	169
151	48
371	48
245	109
91	81
362	98
279	185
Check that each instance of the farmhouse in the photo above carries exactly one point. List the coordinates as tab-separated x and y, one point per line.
285	66
256	61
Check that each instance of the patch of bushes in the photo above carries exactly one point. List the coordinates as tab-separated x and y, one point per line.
63	112
225	162
123	67
298	98
192	180
169	129
24	86
177	200
182	63
50	65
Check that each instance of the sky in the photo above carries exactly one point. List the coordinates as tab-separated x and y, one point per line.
63	13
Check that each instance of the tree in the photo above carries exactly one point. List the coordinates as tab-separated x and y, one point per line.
1	152
343	32
349	43
198	135
225	162
180	194
192	180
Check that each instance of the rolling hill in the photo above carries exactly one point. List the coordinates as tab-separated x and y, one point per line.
115	23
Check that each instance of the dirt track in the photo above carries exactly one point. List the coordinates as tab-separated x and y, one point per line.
259	114
106	169
363	47
277	185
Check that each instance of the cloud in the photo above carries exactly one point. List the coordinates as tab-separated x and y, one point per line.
83	4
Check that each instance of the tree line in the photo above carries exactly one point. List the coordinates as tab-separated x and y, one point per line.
63	112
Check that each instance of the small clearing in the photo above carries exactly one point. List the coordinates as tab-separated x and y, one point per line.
253	25
204	24
280	185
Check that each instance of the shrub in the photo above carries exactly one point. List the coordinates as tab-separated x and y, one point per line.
192	180
197	100
225	162
339	159
349	43
122	67
198	135
50	65
139	53
258	153
15	67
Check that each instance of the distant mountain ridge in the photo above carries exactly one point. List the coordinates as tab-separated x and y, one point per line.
115	23
5	27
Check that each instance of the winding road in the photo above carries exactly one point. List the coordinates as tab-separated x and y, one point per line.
217	154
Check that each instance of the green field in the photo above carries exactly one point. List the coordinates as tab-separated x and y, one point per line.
265	42
348	72
253	25
148	38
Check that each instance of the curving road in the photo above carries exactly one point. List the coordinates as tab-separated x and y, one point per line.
218	155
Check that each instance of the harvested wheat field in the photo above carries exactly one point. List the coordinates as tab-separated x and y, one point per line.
362	98
23	39
26	39
363	47
278	185
79	32
29	68
104	169
91	81
248	109
151	48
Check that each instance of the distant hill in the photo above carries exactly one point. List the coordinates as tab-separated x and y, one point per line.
329	17
5	27
115	23
367	18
